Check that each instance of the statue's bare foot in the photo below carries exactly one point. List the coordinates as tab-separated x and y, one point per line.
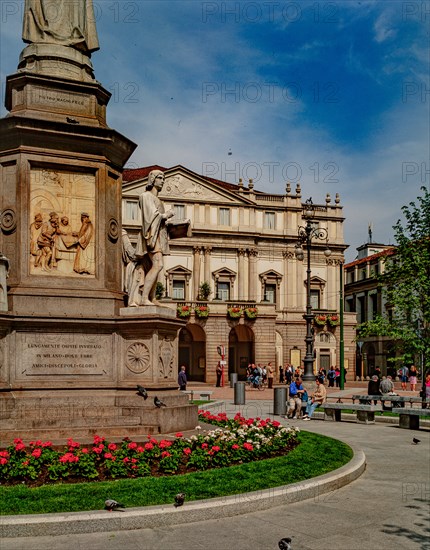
147	303
156	302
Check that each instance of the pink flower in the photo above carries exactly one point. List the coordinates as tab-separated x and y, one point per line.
84	451
98	450
108	455
235	447
36	453
165	454
112	447
126	459
47	444
164	444
134	460
149	446
132	445
216	449
179	434
204	445
3	461
4	454
276	424
19	447
187	451
16	441
98	439
248	446
140	449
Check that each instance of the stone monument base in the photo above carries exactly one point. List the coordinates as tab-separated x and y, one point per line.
63	378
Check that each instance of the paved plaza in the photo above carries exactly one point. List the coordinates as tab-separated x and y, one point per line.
386	508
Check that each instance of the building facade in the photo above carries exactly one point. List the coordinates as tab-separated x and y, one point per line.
243	248
363	296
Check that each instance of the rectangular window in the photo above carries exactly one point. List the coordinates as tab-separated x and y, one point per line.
224	216
374	304
269	220
131	211
178	289
223	291
179	211
270	293
315	299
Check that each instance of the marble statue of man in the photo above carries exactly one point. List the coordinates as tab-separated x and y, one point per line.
63	22
153	237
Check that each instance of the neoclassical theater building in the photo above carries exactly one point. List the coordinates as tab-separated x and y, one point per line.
243	246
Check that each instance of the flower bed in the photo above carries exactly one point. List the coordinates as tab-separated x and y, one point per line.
232	442
251	312
234	312
202	312
183	312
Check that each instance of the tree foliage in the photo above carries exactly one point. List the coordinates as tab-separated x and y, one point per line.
405	284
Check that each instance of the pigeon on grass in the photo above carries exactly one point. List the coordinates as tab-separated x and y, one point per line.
285	544
179	499
111	504
141	391
158	403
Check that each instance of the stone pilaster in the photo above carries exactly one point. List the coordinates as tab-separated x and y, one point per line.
241	273
196	271
252	255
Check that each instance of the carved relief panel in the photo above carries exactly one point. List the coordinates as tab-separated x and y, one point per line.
62	223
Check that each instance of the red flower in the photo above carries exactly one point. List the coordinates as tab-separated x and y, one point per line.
126	459
179	434
108	455
84	451
16	441
140	449
149	446
98	450
132	445
204	445
235	447
248	446
165	454
19	447
98	439
164	444
47	444
276	424
112	447
187	451
3	461
36	453
4	454
215	448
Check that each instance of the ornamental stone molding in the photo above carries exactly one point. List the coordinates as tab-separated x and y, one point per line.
166	354
8	220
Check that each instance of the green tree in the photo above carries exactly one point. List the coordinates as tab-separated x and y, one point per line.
405	284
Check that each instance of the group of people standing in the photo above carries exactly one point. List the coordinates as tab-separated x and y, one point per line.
260	375
287	374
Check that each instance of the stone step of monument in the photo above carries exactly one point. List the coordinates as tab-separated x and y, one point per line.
59	436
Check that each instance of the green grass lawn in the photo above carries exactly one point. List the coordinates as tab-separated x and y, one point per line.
316	455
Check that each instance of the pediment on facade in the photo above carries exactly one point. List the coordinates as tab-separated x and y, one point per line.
270	274
179	270
183	184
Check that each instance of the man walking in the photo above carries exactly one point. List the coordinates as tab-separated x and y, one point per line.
182	379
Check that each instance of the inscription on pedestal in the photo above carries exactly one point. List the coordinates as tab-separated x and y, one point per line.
58	100
63	355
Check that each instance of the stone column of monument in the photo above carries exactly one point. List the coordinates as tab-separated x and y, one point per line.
70	353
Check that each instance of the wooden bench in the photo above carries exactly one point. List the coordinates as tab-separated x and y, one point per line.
203	394
410	418
365	413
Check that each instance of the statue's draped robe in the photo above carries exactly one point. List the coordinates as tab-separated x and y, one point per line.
64	22
153	236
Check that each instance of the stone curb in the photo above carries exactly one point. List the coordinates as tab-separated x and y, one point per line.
165	515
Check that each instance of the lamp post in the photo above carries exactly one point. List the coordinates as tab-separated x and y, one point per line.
306	234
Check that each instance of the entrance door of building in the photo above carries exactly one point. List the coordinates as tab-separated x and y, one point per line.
325	361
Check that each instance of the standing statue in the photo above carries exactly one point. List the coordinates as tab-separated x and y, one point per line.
152	240
64	22
134	275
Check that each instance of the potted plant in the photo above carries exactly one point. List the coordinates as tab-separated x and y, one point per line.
234	312
202	312
159	290
320	320
183	311
251	312
333	320
205	291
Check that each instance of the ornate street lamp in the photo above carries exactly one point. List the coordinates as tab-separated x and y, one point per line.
306	234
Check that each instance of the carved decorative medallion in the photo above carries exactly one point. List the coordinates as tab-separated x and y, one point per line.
137	357
113	230
166	359
8	220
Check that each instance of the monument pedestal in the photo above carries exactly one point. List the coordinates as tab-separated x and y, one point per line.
78	378
70	354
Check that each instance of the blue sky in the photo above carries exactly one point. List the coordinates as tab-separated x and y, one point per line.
335	95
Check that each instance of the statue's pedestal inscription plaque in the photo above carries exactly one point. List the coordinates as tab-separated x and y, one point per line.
53	355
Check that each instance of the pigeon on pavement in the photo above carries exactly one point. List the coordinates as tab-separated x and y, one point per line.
141	391
159	403
111	504
179	499
285	544
415	441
